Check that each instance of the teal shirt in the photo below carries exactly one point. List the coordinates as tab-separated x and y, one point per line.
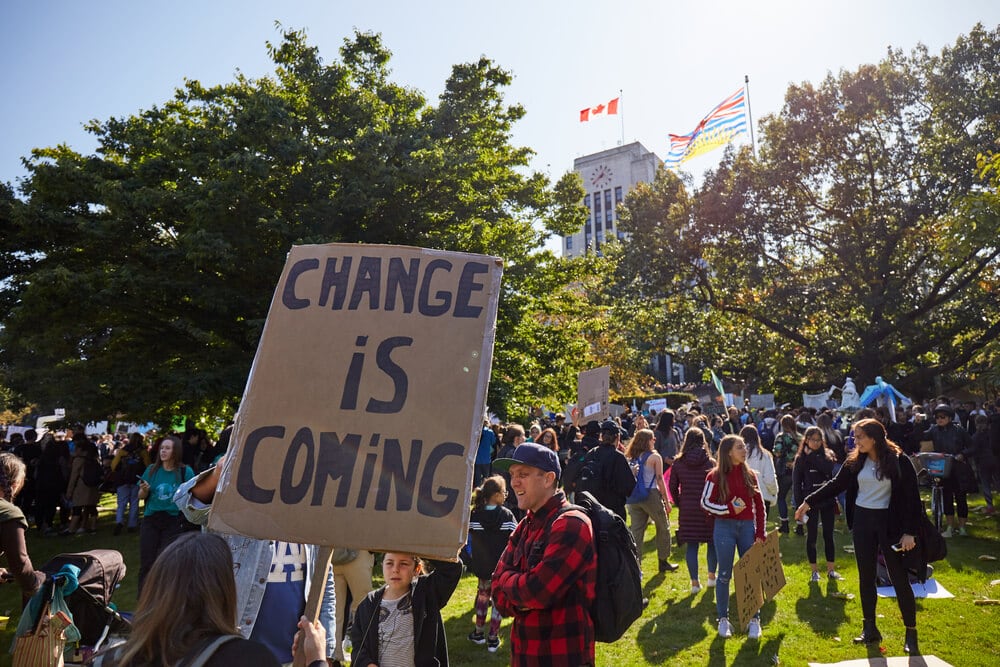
162	485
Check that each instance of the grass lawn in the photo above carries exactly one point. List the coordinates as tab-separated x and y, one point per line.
802	624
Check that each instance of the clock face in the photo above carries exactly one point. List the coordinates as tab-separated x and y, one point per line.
601	175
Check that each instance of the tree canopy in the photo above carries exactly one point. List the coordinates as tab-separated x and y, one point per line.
137	279
863	240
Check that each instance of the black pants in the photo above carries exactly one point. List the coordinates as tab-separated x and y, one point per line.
824	514
953	496
157	531
871	533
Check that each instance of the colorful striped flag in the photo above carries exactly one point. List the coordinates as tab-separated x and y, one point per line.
723	123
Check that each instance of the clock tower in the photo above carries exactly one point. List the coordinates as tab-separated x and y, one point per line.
607	177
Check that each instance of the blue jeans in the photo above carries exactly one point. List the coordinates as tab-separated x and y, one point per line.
128	495
730	535
692	559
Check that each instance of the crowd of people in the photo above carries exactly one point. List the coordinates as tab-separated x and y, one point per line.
531	549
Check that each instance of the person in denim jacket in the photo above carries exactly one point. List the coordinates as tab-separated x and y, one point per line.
252	565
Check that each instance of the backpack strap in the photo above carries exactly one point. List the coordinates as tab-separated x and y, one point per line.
204	655
643	458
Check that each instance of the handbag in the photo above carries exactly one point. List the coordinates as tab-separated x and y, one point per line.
45	644
40	640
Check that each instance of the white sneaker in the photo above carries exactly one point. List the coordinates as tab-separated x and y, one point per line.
695	590
724	630
753	630
947	532
711	583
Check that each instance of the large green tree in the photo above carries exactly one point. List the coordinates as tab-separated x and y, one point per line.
859	241
145	270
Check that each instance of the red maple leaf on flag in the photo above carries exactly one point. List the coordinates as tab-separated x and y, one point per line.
611	108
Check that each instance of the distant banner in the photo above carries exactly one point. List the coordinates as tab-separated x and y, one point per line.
762	401
658	404
364	405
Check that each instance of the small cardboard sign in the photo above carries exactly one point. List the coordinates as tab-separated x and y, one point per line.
757	577
363	409
592	394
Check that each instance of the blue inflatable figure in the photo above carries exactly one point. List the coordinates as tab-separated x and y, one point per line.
884	394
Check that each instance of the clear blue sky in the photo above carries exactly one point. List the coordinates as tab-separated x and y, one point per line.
66	62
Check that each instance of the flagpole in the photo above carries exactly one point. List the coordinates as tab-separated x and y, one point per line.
753	143
621	116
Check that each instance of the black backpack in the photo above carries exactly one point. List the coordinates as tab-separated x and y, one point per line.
92	473
591	478
130	467
619	580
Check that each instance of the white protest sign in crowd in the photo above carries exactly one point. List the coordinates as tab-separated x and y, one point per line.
363	408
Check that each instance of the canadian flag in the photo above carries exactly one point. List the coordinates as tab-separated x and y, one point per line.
611	108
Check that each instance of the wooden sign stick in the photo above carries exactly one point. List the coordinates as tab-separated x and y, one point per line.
316	589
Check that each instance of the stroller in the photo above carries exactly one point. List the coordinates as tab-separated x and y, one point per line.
101	570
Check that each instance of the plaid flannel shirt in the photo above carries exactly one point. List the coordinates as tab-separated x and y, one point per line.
546	580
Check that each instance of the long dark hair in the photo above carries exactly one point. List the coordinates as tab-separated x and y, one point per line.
693	439
665	422
176	455
824	448
752	438
724	465
490	487
886	451
190	595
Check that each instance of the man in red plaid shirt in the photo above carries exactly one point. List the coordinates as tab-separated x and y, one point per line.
546	578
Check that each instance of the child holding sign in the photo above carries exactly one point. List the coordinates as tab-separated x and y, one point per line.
400	623
490	527
731	495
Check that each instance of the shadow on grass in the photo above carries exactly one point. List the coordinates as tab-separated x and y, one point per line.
822	612
681	624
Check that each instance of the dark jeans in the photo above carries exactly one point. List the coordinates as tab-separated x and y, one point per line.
157	531
826	514
784	486
480	472
952	497
986	483
870	534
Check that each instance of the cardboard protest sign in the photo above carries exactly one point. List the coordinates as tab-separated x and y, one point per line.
364	405
592	394
746	586
771	573
757	577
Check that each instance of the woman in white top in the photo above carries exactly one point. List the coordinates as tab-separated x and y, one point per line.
761	462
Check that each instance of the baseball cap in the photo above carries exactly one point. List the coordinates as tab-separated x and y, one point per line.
534	455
